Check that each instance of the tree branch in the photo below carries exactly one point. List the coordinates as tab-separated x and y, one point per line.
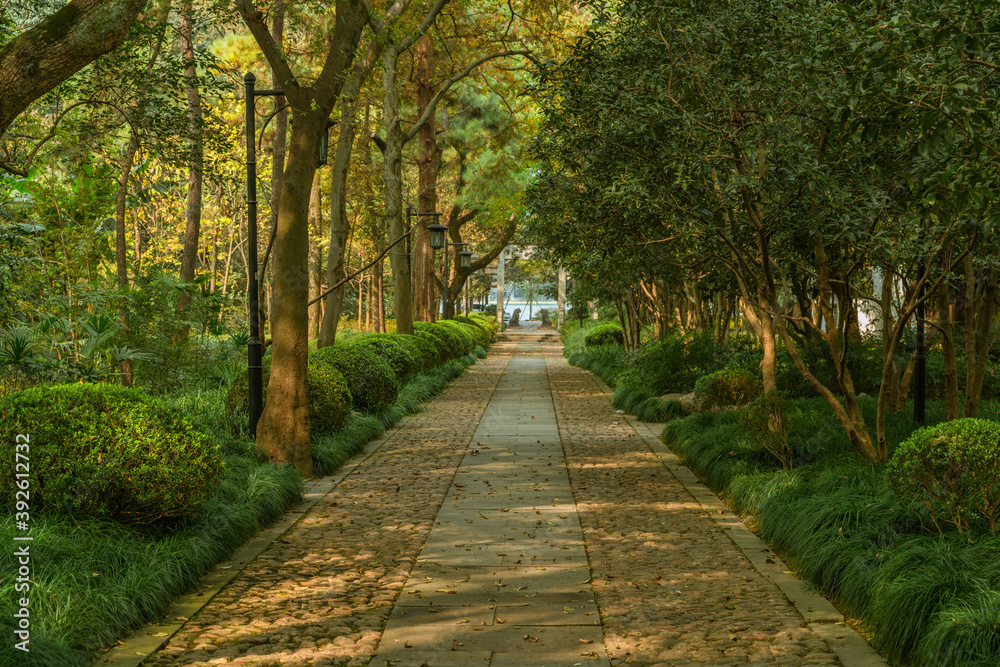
424	25
364	268
429	111
272	52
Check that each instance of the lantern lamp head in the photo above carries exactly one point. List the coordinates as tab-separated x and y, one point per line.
465	259
435	234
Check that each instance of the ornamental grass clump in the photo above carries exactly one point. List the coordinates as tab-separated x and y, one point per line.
951	471
104	451
729	388
327	393
370	378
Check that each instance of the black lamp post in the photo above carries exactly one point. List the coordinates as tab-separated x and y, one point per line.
409	214
436	233
255	380
920	371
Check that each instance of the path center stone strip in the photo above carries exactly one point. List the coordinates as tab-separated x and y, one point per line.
503	577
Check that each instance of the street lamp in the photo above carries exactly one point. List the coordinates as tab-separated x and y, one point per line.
436	235
255	380
409	214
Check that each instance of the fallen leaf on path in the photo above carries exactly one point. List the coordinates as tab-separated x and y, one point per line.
586	641
529	638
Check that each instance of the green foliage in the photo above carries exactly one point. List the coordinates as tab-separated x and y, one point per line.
462	339
606	333
765	424
671	364
405	362
951	471
371	381
443	343
655	410
730	387
480	336
425	351
109	452
605	361
327	392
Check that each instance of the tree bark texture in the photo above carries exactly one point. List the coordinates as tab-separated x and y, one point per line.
39	59
192	230
424	302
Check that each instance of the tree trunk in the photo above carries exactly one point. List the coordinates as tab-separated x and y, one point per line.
427	161
192	228
393	156
980	312
946	325
315	258
283	430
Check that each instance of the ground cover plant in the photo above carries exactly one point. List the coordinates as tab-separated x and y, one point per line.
928	597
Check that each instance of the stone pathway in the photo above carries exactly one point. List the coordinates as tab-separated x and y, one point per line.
503	578
516	521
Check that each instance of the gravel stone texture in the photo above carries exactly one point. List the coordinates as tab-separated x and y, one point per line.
671	587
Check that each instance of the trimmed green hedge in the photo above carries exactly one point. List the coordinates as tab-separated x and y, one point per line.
108	452
460	333
370	378
422	349
480	335
327	392
443	344
406	362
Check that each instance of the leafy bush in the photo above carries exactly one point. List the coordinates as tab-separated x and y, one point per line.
476	329
731	387
606	333
952	471
605	361
765	423
107	451
405	363
460	334
327	393
671	364
421	349
443	338
370	378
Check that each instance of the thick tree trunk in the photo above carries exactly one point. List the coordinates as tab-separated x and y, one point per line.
39	59
283	430
393	156
192	228
427	161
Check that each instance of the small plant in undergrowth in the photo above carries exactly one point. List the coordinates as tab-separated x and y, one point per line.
952	471
729	388
108	452
765	423
606	333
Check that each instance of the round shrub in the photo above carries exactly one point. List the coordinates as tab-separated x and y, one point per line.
404	362
952	471
731	387
424	351
606	333
460	334
369	377
480	334
108	452
439	337
327	393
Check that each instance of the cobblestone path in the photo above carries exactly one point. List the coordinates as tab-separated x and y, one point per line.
516	521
